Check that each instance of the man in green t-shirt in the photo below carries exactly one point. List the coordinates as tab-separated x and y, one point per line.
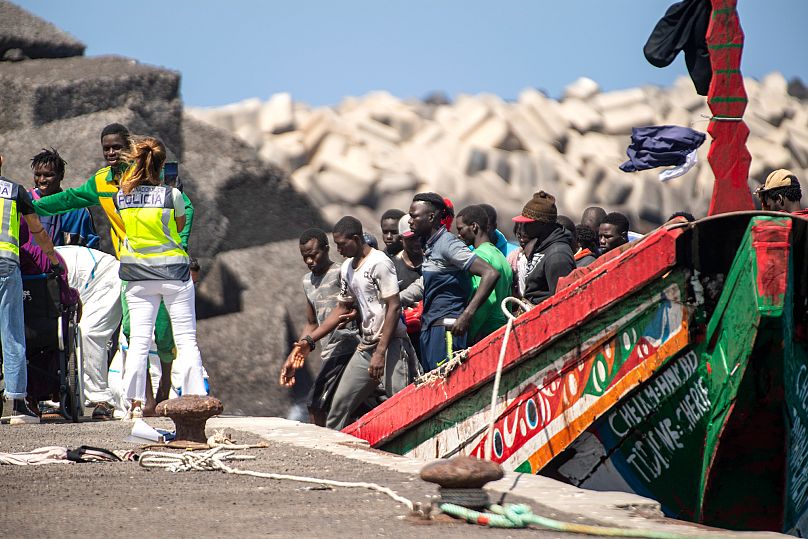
472	229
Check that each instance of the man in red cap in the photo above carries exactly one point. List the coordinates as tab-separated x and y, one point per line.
781	192
547	254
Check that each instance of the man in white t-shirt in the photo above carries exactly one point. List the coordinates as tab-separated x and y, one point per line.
369	288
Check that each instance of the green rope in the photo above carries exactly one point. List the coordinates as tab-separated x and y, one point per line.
521	516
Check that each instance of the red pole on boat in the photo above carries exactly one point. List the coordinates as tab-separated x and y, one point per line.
727	100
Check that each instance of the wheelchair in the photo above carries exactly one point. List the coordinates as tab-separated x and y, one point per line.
52	345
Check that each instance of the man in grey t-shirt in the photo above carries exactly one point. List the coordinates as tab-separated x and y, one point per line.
370	290
322	288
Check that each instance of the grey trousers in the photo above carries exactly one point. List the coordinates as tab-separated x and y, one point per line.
356	385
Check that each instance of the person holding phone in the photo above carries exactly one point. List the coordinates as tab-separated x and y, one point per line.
100	190
156	269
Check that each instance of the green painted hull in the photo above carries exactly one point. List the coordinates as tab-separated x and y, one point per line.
728	447
692	390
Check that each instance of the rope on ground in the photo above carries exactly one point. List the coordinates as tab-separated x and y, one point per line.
214	460
489	446
521	516
220	438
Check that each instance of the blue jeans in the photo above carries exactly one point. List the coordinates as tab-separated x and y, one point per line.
12	333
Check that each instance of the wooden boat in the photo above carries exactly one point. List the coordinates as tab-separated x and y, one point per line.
677	369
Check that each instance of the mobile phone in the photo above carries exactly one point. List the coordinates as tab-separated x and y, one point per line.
170	172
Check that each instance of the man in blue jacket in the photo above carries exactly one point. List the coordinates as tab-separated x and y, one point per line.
75	227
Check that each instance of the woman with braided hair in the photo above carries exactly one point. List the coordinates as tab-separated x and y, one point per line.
155	267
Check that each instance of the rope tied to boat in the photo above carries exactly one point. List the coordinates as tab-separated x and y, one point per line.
489	446
214	460
458	357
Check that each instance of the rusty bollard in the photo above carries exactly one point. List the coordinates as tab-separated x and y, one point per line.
461	479
189	414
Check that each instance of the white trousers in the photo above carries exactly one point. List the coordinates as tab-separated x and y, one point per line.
100	318
144	298
95	275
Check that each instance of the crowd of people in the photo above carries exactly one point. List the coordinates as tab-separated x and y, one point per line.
382	317
386	316
146	289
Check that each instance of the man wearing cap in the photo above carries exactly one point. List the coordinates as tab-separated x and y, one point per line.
547	255
781	192
447	286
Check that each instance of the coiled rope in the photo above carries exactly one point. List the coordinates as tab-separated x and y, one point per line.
214	460
521	516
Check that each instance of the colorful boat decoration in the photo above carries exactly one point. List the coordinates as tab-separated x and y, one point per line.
686	382
677	370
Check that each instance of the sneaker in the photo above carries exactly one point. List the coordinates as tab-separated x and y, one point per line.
103	410
134	413
49	409
19	413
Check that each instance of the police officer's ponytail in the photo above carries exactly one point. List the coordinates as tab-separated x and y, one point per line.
147	157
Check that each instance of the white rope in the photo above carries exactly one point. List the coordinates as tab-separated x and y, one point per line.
458	357
213	460
489	447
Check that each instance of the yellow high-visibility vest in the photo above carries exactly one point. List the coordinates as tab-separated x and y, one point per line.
9	220
107	188
152	248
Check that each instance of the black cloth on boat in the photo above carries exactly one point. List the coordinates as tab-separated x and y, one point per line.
683	28
660	146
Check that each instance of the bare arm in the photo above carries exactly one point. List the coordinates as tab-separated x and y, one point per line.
180	222
331	322
413	293
299	353
311	320
392	315
488	279
41	237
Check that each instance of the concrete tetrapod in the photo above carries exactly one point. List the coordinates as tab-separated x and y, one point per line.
189	414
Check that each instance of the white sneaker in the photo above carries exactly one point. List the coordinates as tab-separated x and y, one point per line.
17	412
134	413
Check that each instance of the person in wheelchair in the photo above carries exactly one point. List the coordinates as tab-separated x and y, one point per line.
43	304
15	202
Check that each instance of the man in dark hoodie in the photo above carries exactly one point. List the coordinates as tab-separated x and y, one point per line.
547	255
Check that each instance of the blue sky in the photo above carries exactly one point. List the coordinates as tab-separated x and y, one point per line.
321	51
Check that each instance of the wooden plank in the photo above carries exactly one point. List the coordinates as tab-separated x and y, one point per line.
580	301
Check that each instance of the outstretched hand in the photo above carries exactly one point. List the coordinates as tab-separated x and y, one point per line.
287	378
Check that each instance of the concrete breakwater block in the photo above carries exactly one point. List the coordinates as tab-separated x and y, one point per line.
31	37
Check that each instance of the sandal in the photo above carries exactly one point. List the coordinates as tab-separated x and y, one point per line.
103	411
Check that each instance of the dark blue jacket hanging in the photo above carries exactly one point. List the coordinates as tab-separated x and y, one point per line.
660	146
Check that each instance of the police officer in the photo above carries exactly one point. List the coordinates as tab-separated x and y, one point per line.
15	201
156	268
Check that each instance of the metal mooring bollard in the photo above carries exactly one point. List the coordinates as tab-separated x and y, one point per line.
461	479
189	414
